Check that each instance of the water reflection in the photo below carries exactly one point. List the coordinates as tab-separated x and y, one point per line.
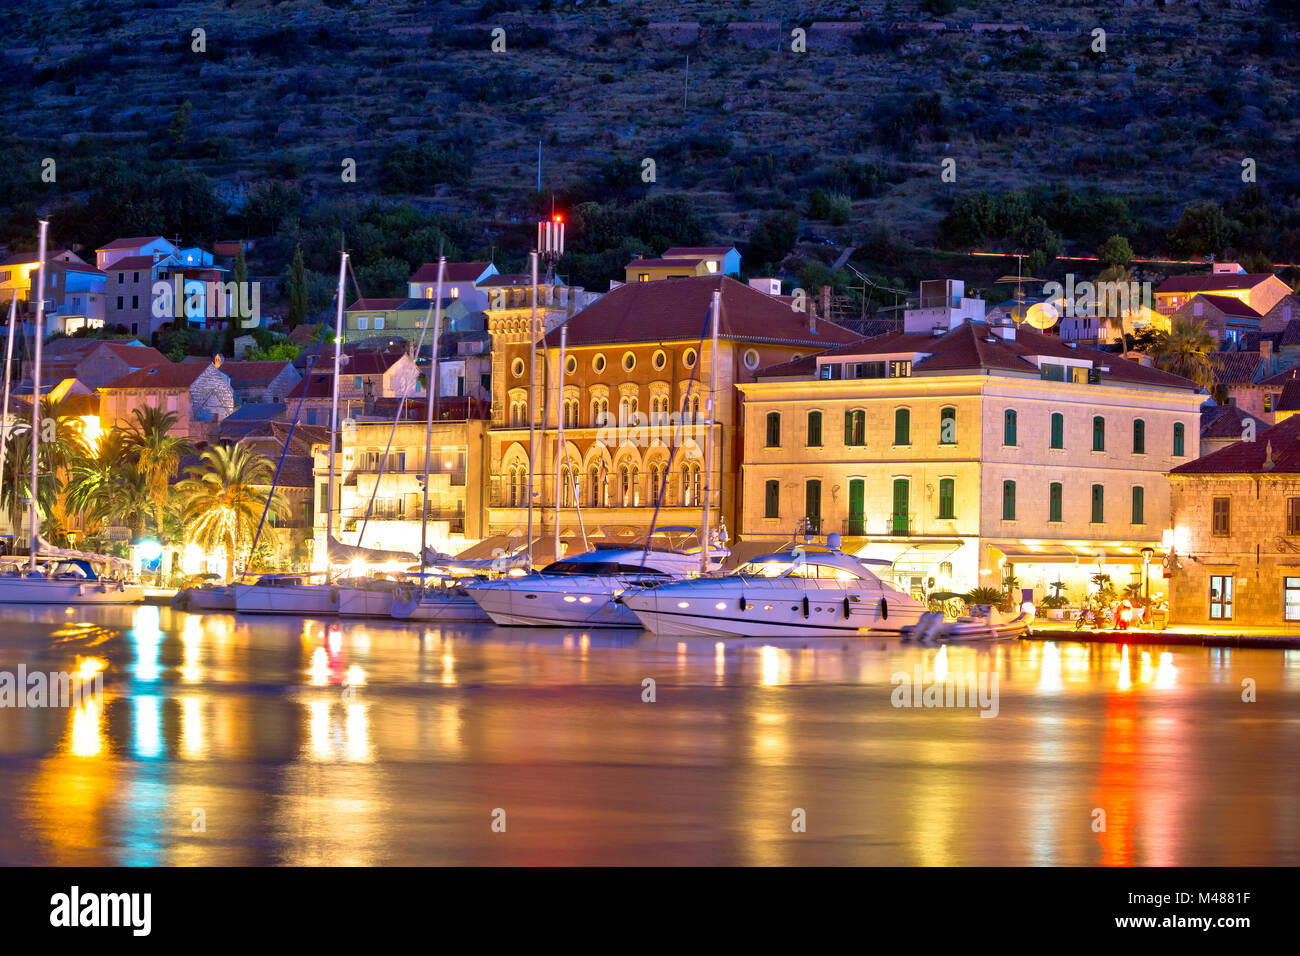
342	743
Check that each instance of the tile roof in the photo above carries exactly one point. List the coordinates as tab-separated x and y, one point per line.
1230	305
242	374
1281	378
1281	442
130	263
454	272
256	412
166	375
696	252
678	310
131	242
1214	283
968	347
381	304
1291	334
511	280
1289	400
1227	421
315	385
1236	368
681	263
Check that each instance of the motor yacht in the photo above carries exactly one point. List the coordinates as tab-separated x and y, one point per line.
581	590
811	591
83	580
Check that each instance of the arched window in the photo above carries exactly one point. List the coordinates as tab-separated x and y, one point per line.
1139	440
773	429
1058	430
1098	433
902	426
771	499
948	426
1009	427
814	429
691	492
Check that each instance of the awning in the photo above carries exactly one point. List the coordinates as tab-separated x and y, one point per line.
1066	555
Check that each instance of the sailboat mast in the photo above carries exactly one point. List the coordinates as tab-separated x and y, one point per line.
708	458
334	410
532	406
429	394
9	360
38	335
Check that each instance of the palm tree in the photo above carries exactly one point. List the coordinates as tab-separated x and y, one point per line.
157	455
58	442
1185	350
96	471
224	499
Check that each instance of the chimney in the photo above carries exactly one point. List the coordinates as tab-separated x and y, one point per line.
824	302
1266	355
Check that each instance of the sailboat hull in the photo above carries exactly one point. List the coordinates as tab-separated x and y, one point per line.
304	600
365	602
451	608
22	590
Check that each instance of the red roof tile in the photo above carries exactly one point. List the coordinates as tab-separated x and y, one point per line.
131	242
1227	421
973	346
696	252
1229	305
380	304
1282	442
129	263
1214	283
679	310
253	373
1236	368
167	375
1281	378
454	272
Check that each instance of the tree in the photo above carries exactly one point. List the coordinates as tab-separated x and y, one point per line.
55	451
157	455
297	290
1185	350
772	239
223	500
1115	251
1203	230
182	121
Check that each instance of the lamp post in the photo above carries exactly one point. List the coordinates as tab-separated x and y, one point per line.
1146	583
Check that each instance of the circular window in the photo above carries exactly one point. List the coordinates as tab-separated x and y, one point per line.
688	358
571	365
598	363
751	359
660	360
629	361
517	367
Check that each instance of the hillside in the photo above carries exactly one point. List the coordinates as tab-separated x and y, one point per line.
249	135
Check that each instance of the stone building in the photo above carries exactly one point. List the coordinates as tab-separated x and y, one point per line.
1235	541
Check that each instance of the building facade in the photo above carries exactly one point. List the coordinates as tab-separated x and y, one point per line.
1234	549
967	455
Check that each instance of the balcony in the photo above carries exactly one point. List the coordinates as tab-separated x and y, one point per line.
899	525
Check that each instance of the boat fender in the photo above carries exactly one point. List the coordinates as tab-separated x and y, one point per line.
743	605
805	605
884	609
846	609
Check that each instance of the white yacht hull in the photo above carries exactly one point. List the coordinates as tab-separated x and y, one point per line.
359	602
21	590
568	601
304	600
771	613
199	600
451	608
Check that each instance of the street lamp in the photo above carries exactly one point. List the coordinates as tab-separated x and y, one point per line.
1146	582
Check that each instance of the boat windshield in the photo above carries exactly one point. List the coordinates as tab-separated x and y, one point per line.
805	569
599	568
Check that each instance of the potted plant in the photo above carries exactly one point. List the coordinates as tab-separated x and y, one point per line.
1055	605
987	598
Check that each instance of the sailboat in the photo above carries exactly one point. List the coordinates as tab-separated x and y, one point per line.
53	575
309	594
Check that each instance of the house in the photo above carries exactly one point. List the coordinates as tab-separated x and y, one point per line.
199	394
249	418
380	321
1235	378
365	375
1261	291
1234	548
380	472
261	381
723	260
652	270
1222	425
74	290
636	377
968	454
459	281
138	269
97	361
1229	320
